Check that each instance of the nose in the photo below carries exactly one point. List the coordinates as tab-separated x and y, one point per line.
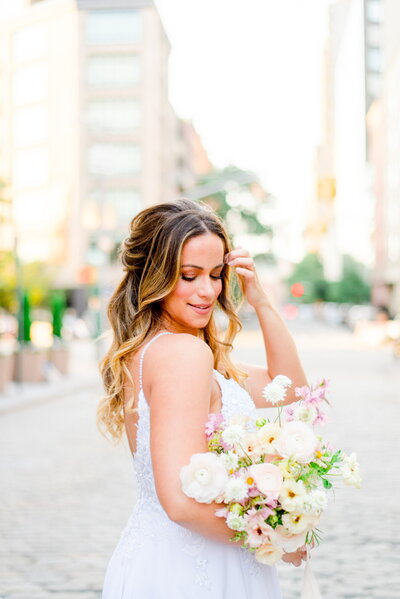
205	289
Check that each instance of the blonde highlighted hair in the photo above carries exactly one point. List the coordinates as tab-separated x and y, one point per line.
151	258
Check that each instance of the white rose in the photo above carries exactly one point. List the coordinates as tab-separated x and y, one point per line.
233	434
297	441
235	490
204	478
235	522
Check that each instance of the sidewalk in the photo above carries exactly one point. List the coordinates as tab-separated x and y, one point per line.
84	374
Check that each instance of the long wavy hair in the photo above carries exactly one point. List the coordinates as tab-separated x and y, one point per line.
151	257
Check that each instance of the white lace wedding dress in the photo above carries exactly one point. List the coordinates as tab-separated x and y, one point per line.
158	559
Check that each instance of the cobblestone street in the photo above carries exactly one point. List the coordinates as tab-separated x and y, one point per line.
66	492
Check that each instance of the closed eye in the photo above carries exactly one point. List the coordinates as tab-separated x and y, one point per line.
215	277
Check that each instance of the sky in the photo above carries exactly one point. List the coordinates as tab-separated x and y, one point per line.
249	77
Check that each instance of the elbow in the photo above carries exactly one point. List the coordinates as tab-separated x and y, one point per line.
177	510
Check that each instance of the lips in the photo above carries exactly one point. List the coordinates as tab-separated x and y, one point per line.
201	308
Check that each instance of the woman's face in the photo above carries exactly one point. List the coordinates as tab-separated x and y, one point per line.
189	306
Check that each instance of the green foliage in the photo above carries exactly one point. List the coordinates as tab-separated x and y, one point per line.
352	288
36	279
310	273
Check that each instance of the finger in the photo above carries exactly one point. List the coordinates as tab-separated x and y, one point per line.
236	253
245	273
242	261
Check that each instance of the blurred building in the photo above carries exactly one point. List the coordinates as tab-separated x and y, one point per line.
87	134
342	219
384	130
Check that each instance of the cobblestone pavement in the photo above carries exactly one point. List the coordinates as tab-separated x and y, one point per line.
66	492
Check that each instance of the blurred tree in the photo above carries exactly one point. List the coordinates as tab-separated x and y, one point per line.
353	288
241	202
310	273
37	278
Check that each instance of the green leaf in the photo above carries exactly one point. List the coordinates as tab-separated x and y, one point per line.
327	484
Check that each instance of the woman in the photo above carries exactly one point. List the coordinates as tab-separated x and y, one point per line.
166	370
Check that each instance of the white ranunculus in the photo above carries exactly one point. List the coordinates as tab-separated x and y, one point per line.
350	470
204	478
235	522
297	441
233	434
235	489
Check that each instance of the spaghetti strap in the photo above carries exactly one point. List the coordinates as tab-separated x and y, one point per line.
142	356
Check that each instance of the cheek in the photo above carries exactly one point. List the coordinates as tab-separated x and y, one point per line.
218	287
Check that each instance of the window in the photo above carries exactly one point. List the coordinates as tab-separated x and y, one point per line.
30	126
121	70
374	59
114	160
113	115
374	11
30	43
30	84
113	27
125	202
31	168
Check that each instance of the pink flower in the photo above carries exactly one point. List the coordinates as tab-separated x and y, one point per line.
257	530
268	479
288	413
321	418
303	392
213	423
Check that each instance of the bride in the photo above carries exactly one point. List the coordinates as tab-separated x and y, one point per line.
166	370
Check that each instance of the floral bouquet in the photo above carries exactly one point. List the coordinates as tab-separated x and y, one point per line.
271	477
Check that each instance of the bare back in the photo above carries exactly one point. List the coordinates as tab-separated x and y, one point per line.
147	372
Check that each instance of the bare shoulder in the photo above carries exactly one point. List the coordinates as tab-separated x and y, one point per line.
177	359
180	347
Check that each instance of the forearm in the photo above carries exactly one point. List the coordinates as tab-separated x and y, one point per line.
201	518
280	348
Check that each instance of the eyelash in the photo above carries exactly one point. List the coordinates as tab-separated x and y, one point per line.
193	278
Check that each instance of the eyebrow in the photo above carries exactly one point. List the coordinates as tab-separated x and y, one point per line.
200	267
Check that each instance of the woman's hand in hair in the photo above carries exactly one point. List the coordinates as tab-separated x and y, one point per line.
244	266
